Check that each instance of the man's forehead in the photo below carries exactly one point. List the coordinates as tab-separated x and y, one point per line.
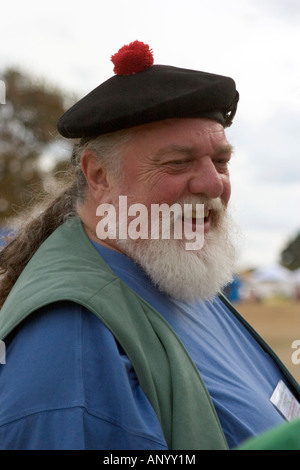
177	128
182	135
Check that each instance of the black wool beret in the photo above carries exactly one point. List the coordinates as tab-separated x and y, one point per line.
153	94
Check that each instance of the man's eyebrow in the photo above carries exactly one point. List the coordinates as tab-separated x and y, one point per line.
190	150
224	149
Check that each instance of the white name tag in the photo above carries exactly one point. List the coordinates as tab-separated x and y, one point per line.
285	402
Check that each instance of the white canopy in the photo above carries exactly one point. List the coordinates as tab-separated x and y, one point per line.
274	273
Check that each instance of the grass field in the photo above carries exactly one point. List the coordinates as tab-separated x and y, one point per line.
278	322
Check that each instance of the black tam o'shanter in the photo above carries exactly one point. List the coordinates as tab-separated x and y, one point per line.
140	93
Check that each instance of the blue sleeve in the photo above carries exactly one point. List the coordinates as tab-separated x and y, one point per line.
68	385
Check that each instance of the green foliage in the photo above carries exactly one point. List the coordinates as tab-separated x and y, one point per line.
27	127
290	255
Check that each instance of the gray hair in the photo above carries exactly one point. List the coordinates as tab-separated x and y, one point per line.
110	149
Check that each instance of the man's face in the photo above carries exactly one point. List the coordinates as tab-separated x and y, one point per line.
177	162
176	159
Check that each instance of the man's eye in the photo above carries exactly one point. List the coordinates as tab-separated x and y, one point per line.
178	162
222	164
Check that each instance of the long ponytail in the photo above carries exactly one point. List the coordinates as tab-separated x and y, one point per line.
21	248
43	221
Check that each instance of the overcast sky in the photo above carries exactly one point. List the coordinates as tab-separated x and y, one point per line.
254	41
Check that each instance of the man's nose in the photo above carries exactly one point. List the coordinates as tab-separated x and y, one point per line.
206	180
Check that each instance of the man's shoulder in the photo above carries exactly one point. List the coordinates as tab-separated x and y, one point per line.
62	364
65	267
47	357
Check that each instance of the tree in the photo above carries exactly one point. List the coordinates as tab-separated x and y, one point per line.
290	255
27	127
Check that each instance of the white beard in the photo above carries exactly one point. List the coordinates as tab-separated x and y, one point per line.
189	275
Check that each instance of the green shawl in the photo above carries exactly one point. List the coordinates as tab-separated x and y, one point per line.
68	267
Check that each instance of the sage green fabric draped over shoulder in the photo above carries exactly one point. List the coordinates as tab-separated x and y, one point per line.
68	267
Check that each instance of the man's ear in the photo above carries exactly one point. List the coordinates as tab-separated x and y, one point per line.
95	174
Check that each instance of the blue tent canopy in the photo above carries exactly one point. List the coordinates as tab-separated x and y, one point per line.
3	233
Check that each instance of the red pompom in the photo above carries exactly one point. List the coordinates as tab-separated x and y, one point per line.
133	58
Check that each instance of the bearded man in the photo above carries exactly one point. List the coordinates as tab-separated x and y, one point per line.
120	341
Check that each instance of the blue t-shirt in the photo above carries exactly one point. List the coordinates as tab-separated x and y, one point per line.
67	384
